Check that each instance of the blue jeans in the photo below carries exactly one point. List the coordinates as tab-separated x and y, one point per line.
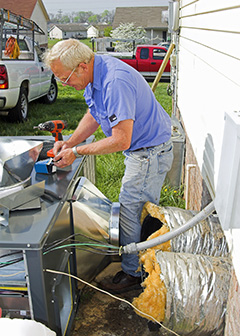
145	171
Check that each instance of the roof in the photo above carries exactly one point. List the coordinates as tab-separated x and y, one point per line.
101	26
71	27
146	17
23	7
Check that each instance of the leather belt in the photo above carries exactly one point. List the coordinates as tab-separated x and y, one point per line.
142	148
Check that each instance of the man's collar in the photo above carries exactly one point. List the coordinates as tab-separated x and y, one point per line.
97	72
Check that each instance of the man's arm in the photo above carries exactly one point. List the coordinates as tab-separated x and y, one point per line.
119	141
86	127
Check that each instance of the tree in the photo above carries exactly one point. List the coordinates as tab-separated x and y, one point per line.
93	19
107	31
107	16
127	31
82	17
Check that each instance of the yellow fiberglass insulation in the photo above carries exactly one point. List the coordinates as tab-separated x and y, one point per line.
153	210
152	300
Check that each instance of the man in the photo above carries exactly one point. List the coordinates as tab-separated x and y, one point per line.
120	100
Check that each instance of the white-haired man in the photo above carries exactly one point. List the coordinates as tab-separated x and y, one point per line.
123	104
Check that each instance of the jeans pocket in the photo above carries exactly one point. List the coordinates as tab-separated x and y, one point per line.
165	159
139	156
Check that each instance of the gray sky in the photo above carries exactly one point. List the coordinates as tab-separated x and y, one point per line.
96	6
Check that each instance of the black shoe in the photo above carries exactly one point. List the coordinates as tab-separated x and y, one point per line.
120	283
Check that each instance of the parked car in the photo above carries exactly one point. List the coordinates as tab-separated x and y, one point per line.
23	75
164	44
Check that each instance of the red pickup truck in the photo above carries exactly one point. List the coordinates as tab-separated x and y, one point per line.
147	59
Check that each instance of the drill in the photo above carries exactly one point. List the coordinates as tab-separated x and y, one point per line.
55	127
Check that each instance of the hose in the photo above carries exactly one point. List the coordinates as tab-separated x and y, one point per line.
135	247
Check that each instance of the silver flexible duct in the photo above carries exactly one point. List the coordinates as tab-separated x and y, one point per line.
135	247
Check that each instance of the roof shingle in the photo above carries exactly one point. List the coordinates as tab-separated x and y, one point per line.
22	7
146	17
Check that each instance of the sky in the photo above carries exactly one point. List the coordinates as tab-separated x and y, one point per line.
96	6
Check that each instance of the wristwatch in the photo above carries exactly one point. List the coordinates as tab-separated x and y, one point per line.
74	149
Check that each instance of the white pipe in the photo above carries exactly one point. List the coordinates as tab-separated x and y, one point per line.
135	247
188	167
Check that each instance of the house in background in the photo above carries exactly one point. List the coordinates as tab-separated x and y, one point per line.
68	30
153	19
97	30
76	30
92	32
33	10
206	100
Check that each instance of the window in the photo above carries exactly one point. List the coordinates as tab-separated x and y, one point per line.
39	53
23	45
144	53
159	54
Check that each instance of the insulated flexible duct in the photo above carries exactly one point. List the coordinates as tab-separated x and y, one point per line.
136	247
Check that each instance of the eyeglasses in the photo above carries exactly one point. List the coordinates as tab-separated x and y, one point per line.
66	81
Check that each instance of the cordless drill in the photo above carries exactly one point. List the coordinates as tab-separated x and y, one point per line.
55	127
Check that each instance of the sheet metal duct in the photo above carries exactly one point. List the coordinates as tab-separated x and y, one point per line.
97	217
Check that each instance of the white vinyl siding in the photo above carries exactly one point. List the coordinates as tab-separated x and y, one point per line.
209	76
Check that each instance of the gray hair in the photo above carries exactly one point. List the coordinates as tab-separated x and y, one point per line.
70	52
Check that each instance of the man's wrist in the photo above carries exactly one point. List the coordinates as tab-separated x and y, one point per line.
74	149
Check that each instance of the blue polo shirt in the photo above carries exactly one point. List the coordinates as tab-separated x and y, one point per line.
119	92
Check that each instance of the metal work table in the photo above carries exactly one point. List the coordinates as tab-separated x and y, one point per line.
28	229
45	297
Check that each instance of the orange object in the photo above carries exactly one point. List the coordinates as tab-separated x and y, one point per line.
11	48
50	153
53	126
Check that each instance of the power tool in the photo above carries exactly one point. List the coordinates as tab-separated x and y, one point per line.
55	127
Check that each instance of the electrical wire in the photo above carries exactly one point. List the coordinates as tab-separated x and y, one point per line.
88	244
9	254
10	275
60	241
113	296
10	262
96	252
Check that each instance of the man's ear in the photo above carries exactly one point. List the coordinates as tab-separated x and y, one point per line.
83	66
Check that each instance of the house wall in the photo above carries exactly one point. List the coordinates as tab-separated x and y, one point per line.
155	35
92	32
208	85
39	17
56	33
60	34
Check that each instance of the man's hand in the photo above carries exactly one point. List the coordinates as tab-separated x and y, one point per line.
59	146
64	158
